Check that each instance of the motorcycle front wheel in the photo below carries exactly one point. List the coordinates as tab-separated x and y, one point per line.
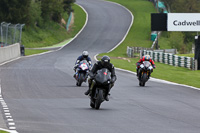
143	79
99	99
80	79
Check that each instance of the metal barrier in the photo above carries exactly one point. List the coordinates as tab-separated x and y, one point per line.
131	50
69	21
10	33
171	59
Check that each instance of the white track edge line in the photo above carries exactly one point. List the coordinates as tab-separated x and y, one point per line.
153	79
86	21
5	112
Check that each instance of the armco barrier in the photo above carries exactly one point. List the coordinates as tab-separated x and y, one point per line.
9	52
171	59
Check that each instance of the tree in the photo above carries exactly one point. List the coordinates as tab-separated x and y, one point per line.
184	6
14	11
52	9
35	12
67	5
176	40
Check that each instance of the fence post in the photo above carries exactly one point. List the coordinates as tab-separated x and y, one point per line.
163	57
21	32
173	60
168	59
7	33
185	62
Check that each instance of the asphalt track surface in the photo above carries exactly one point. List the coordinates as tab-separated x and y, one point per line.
42	96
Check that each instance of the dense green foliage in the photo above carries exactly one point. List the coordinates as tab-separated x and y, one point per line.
42	19
33	12
14	11
187	38
184	6
53	33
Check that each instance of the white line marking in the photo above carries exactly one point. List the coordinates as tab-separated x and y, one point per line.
7	113
11	123
132	18
153	79
12	128
70	40
10	131
8	116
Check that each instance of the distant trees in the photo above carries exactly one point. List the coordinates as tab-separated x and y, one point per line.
184	6
33	12
183	40
14	11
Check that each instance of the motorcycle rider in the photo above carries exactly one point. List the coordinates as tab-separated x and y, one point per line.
144	58
84	56
104	63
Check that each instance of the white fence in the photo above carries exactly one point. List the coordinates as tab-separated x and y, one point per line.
166	56
171	59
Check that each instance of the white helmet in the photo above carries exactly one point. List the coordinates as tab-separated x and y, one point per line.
85	54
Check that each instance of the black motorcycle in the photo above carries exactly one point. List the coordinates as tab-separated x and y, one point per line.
100	85
82	72
144	72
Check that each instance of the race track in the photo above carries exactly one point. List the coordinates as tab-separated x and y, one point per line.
42	97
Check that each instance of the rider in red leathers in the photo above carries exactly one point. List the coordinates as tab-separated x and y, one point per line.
145	58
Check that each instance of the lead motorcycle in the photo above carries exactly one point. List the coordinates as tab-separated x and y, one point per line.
100	85
82	72
145	72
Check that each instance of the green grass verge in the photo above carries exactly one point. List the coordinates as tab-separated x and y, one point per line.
163	71
53	33
3	131
140	32
187	55
34	51
139	35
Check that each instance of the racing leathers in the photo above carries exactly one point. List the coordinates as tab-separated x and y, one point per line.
97	66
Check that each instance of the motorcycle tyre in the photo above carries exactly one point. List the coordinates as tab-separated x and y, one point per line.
143	80
99	99
80	80
92	105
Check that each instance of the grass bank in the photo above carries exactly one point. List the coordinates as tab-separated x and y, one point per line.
53	33
163	71
3	131
139	35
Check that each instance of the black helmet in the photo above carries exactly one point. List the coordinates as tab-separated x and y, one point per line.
105	60
85	54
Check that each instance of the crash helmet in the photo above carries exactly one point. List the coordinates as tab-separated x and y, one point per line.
105	60
85	54
147	57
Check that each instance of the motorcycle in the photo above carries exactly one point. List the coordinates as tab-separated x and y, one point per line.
82	72
100	85
145	72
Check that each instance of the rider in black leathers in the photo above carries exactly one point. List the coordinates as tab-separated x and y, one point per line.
104	63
